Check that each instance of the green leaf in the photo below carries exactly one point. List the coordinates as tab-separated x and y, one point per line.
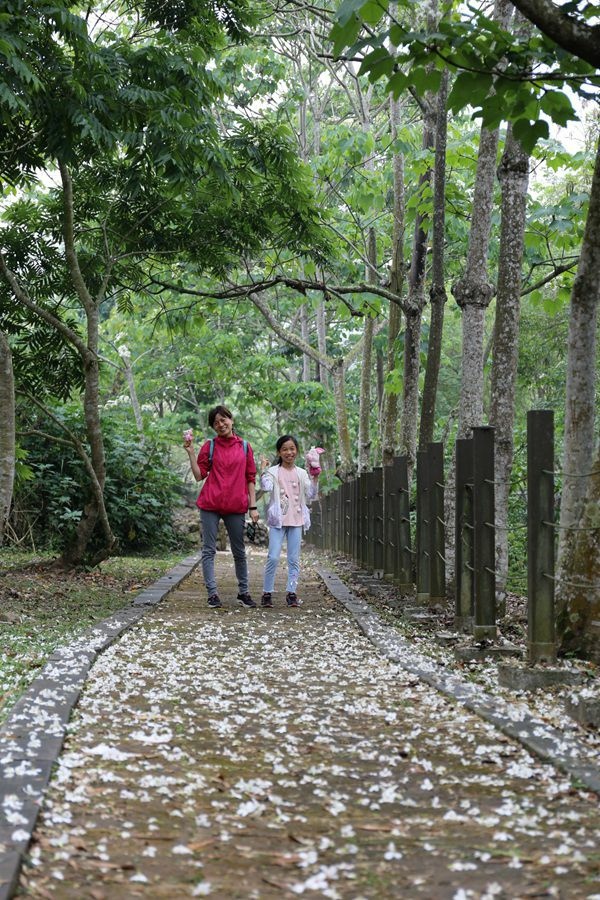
558	106
377	64
372	12
528	133
469	89
348	11
398	83
344	36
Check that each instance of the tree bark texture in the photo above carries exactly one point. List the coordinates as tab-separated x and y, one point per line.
437	293
94	509
414	313
474	291
580	396
513	174
135	403
366	373
346	468
579	622
473	294
389	425
7	433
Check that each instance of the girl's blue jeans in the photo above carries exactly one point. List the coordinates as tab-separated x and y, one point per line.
293	535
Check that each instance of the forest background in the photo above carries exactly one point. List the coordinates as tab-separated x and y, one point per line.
373	226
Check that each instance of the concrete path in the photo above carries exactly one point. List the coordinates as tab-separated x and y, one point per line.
272	753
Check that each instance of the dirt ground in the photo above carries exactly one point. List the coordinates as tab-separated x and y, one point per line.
270	753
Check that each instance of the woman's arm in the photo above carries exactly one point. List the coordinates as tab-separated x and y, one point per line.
196	471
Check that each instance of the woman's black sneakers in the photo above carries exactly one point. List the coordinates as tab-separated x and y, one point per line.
291	599
266	601
246	600
214	601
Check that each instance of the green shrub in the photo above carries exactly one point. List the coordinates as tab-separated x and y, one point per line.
140	493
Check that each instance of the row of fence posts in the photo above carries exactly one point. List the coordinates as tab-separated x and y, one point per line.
369	520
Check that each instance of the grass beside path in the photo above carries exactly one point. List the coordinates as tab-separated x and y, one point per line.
41	609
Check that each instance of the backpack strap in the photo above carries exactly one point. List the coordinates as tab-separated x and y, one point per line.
211	450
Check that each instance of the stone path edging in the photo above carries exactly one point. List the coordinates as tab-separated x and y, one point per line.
32	736
544	741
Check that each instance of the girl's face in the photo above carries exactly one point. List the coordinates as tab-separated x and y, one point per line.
223	425
288	453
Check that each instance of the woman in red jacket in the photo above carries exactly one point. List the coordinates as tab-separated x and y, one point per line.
228	492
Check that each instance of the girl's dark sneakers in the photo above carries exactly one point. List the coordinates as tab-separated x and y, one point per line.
214	601
291	599
246	600
266	601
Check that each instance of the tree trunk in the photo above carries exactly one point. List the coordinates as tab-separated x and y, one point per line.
366	374
437	294
513	174
389	426
7	433
414	312
346	468
135	403
579	409
580	622
94	509
305	337
77	552
474	291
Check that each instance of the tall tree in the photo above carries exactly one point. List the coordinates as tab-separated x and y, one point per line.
513	174
157	174
7	433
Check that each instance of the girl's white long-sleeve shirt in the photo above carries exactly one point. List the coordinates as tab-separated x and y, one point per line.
269	481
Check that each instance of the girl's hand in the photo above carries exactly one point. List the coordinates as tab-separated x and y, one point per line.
264	463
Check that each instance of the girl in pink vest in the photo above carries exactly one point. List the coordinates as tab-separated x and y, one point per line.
291	489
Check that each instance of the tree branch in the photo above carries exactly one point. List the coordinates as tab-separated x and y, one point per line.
23	297
288	336
550	277
298	284
69	235
566	30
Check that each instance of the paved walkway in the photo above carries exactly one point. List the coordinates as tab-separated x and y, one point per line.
271	753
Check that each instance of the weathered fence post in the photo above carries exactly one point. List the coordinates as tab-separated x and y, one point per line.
315	528
541	633
423	555
347	513
406	562
484	550
338	518
364	518
390	524
437	563
464	610
378	513
356	514
371	505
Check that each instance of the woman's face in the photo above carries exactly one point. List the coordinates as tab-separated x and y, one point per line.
288	452
223	425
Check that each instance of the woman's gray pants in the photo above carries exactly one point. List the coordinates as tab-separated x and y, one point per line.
235	525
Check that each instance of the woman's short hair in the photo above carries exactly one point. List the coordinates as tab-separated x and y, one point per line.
218	411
